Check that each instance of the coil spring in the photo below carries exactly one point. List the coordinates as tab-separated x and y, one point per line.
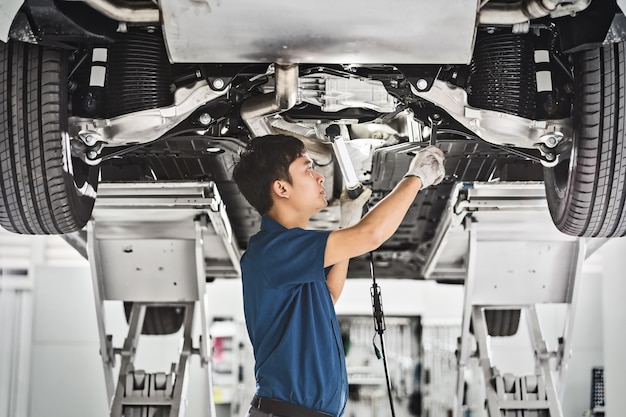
139	73
502	74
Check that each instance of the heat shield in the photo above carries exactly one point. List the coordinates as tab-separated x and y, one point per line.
321	31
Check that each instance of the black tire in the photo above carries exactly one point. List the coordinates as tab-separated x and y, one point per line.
44	190
159	320
585	191
500	322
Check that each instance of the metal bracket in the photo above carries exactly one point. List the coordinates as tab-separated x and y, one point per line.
168	237
486	228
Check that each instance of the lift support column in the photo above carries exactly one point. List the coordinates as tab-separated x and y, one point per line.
154	245
499	239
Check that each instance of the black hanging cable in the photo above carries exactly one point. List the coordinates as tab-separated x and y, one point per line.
379	326
379	320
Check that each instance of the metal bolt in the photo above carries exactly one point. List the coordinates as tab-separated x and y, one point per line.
421	84
435	119
551	141
218	83
205	119
92	154
89	138
550	156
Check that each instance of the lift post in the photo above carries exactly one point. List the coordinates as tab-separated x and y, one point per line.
499	239
155	245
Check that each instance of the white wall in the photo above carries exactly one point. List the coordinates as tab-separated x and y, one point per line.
432	301
614	325
587	345
436	303
16	300
67	377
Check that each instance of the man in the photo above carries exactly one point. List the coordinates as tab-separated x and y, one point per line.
292	276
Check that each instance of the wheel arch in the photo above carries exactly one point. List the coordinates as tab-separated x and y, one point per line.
596	19
47	23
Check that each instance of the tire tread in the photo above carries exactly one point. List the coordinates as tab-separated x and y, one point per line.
39	196
594	205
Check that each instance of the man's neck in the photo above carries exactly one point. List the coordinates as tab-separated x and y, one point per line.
287	218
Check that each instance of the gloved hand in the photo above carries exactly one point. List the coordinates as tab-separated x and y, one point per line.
351	210
428	165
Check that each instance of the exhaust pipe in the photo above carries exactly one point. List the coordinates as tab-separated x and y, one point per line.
255	113
255	110
524	10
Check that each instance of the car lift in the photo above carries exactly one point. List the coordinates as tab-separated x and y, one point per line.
155	244
499	239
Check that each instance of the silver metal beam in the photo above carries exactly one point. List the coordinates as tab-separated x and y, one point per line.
126	14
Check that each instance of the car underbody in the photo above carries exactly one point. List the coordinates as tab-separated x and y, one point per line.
128	91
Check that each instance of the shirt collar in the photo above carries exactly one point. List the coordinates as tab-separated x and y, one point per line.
270	225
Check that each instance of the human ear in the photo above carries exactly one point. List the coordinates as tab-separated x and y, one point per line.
280	189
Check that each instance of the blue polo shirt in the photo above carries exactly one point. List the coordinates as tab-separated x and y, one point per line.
291	319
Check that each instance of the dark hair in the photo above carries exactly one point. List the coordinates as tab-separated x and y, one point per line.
265	160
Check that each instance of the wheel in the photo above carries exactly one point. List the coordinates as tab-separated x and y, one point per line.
44	189
500	322
159	320
585	190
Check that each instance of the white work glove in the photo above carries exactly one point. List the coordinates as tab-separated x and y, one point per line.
428	166
351	210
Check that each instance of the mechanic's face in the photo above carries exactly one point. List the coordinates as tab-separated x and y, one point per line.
307	185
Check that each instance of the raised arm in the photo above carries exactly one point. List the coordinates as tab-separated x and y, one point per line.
384	219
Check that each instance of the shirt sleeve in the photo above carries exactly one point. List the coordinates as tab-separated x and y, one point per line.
296	256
